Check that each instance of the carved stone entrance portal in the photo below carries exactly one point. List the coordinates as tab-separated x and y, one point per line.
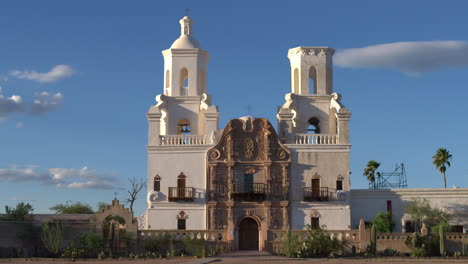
248	234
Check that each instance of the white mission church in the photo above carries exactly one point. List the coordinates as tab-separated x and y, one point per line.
248	178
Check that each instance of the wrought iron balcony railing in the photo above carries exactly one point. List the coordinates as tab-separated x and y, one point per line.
250	192
181	194
316	194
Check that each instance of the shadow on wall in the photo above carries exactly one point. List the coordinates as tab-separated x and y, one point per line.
458	211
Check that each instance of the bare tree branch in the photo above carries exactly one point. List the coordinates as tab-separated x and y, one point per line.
135	188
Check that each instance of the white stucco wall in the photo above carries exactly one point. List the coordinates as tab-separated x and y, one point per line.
166	217
335	216
365	204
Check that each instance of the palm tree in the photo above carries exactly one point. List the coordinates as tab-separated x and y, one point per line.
441	160
369	171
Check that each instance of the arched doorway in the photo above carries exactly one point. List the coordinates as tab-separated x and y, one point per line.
248	234
114	233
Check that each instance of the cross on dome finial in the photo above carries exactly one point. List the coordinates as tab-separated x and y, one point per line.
186	24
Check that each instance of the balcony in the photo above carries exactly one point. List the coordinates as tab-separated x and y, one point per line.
181	194
316	194
315	139
182	140
255	192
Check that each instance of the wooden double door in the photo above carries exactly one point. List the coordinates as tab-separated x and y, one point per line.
248	234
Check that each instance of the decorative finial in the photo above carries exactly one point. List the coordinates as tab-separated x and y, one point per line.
115	195
187	11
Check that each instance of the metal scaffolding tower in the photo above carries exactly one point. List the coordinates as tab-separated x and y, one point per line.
391	180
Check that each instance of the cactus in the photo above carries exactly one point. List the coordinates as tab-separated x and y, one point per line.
373	239
464	250
442	240
414	240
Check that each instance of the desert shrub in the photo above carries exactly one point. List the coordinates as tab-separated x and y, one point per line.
418	252
429	244
319	244
290	244
72	252
51	236
195	247
91	243
389	253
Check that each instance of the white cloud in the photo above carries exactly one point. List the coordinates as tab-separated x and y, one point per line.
44	102
81	178
9	105
55	74
19	125
407	57
90	185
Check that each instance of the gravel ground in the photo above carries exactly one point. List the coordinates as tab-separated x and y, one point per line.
243	257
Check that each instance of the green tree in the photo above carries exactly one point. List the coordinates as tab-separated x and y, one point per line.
370	171
101	205
383	222
442	160
72	208
421	211
19	213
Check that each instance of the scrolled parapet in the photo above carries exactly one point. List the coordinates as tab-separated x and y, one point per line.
335	101
311	51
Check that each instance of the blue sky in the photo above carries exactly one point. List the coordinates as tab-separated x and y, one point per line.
78	77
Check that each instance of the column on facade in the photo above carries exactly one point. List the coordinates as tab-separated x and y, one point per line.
230	180
154	123
285	181
267	179
285	213
343	125
285	125
211	185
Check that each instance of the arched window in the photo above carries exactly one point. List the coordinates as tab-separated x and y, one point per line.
184	82
313	127
183	127
313	80
296	81
201	81
168	78
339	183
157	183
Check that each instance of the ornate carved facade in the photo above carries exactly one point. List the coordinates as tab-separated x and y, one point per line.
248	176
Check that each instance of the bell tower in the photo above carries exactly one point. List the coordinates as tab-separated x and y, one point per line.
311	70
182	126
314	126
185	64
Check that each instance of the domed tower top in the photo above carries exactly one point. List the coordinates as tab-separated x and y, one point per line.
186	40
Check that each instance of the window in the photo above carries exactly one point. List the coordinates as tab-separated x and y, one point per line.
181	224
313	127
457	228
183	127
157	186
389	206
296	81
248	183
313	80
168	80
314	222
184	82
339	185
409	227
157	183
